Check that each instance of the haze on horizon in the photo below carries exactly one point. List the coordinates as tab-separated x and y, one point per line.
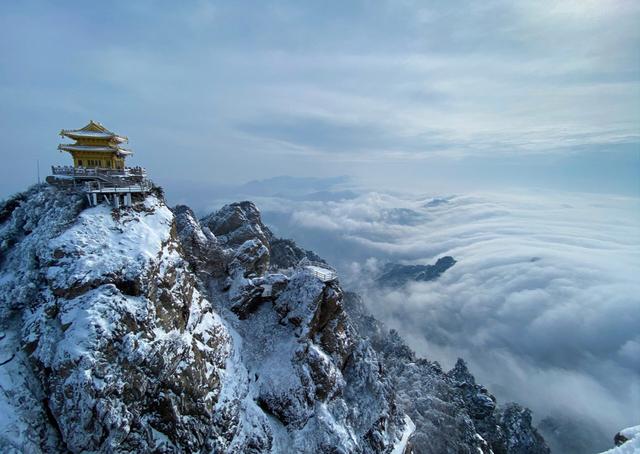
407	95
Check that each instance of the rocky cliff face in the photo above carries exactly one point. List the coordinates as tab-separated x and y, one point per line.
145	329
451	412
115	345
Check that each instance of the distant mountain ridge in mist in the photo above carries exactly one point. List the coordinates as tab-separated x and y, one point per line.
396	275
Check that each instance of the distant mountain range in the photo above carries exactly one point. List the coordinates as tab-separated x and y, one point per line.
396	275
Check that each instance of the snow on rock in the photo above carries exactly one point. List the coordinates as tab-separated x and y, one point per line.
451	412
519	434
627	441
409	428
199	244
307	389
125	352
100	244
23	425
236	223
250	259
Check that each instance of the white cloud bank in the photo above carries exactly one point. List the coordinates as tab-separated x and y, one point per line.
544	302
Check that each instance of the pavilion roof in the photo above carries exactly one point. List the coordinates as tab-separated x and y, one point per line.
95	148
93	130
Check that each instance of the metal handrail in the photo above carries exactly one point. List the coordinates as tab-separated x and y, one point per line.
306	262
310	265
143	185
329	276
97	171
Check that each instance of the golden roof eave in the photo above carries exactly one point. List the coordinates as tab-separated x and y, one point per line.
94	148
78	135
93	130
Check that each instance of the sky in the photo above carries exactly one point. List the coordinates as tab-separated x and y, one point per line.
395	94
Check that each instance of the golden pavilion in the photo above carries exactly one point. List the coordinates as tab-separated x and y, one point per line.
95	147
98	167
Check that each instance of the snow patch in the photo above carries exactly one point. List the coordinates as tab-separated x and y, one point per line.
409	428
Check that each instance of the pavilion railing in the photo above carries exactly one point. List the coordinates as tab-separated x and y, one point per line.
132	186
98	171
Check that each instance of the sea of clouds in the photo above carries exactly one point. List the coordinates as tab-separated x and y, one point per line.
543	302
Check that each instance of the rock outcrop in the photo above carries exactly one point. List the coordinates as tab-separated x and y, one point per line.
300	353
122	351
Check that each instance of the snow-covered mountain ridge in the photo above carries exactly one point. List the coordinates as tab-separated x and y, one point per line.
145	329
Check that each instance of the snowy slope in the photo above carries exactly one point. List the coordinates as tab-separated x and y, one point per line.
630	441
107	326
